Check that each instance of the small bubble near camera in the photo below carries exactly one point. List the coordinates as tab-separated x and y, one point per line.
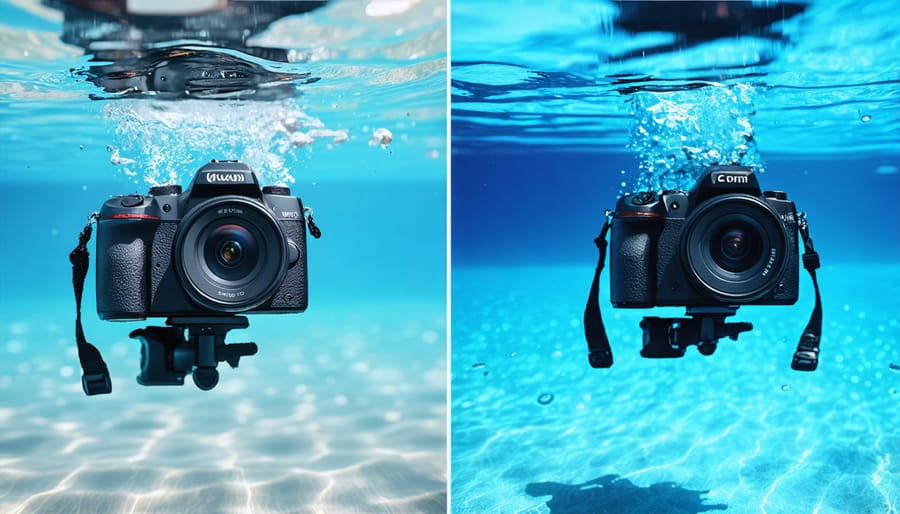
723	244
199	258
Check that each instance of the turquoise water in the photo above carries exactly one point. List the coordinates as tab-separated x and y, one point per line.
558	112
343	409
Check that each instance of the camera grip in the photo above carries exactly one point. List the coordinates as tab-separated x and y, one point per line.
122	277
632	265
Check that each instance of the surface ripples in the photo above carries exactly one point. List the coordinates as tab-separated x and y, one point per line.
825	71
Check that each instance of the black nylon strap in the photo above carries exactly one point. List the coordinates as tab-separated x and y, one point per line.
600	354
95	377
806	358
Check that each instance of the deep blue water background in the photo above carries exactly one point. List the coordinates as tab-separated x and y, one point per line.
556	113
544	206
536	429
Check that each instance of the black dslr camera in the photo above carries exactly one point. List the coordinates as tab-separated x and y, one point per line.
721	245
224	246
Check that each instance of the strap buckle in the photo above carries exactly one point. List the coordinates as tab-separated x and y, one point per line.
601	359
96	383
805	360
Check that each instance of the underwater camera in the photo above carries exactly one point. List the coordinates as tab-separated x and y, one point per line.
225	246
721	245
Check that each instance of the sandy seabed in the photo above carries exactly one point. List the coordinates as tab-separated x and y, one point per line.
536	430
336	413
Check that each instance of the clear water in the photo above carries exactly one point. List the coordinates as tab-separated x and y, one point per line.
556	113
344	406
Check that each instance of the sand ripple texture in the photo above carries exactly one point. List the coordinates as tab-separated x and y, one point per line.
340	414
536	429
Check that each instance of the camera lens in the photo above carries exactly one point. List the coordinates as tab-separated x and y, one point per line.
230	254
735	248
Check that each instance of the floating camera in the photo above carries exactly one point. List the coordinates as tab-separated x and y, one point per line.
223	247
722	245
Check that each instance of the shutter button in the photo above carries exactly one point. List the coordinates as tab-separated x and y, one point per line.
643	198
132	201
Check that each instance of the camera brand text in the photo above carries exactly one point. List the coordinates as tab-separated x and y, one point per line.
230	210
225	177
731	178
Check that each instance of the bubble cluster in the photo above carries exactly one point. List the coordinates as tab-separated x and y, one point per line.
381	136
678	134
160	142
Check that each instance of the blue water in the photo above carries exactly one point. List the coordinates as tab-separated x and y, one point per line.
343	409
558	112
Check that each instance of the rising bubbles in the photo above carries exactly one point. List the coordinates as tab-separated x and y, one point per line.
678	134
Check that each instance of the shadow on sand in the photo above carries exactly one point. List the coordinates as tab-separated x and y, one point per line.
611	495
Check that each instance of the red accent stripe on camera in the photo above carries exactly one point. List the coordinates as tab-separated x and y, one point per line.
644	214
126	216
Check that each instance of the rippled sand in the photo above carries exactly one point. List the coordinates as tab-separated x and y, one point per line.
334	414
738	430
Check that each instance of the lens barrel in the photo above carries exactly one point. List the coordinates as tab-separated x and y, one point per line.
735	248
230	254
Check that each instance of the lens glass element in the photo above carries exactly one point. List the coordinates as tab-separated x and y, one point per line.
735	248
231	251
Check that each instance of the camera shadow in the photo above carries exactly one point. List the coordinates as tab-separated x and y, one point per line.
613	495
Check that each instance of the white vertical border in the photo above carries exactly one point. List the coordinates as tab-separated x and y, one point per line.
448	261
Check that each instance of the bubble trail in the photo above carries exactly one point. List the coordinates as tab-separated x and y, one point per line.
678	134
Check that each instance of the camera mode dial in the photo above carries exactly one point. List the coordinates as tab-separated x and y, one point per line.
276	190
169	189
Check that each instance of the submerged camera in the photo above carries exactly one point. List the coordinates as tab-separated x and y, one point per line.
723	244
223	247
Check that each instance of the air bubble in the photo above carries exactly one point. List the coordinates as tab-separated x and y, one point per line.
865	118
785	387
545	398
381	136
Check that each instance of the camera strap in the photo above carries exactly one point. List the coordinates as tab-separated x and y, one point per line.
806	358
95	374
310	224
600	354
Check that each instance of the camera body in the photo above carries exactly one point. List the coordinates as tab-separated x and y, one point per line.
224	246
724	243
